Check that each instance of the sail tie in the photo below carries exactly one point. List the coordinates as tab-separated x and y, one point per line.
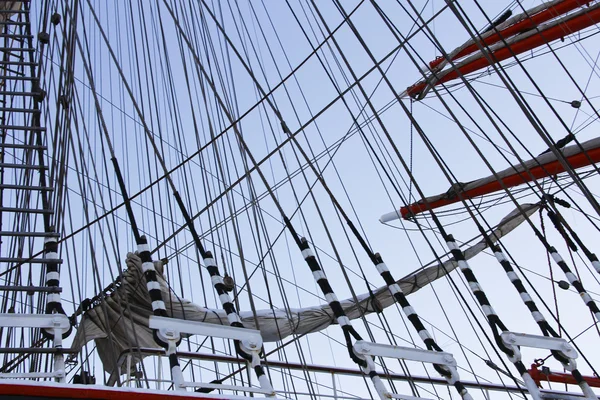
562	142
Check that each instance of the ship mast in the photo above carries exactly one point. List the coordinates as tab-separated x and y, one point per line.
190	194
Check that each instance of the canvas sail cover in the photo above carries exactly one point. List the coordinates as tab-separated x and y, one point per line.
6	7
545	165
120	321
524	32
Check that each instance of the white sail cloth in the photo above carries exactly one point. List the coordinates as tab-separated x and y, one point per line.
438	72
541	160
120	321
6	7
511	21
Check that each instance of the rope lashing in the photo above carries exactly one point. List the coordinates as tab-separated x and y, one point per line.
451	376
494	320
365	363
53	301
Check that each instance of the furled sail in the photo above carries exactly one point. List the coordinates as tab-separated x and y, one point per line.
9	8
120	321
545	165
519	34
